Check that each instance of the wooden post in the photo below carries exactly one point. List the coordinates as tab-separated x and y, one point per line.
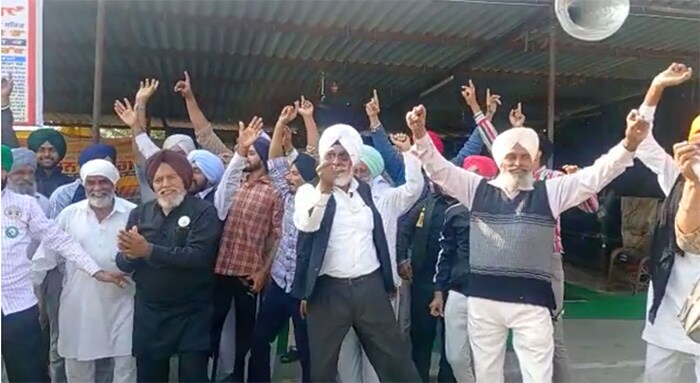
99	59
551	86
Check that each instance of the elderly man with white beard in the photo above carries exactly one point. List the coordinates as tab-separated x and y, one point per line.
511	239
170	245
344	264
21	178
392	203
95	319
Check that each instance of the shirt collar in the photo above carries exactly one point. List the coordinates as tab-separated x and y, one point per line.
204	193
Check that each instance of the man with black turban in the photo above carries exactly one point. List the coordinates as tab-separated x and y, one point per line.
50	148
170	246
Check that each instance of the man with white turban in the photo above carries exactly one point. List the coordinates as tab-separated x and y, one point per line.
511	239
207	171
392	203
95	319
344	265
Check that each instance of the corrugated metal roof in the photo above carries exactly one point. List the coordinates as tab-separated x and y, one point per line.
253	56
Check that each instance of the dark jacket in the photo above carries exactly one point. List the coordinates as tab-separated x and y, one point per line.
664	247
311	248
420	234
453	262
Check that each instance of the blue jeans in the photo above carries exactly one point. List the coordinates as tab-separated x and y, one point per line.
275	310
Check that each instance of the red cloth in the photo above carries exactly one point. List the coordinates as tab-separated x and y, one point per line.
437	141
486	166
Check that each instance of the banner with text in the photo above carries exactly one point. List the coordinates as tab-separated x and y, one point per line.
21	57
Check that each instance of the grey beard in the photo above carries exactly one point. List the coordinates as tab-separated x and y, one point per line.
168	204
101	202
22	188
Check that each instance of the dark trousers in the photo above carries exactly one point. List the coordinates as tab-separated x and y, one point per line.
360	303
423	331
225	289
192	368
23	347
275	310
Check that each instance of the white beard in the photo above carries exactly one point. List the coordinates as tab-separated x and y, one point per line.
170	203
23	188
513	182
343	180
101	201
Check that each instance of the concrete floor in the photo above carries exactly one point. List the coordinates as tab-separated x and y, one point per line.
602	351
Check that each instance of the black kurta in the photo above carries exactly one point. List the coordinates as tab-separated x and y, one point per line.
174	285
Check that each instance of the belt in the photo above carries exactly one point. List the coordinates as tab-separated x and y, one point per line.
348	281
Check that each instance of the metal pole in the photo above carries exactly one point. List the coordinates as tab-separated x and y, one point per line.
551	85
97	86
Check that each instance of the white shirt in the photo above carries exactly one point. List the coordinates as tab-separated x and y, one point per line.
563	192
22	221
350	252
666	332
392	203
95	319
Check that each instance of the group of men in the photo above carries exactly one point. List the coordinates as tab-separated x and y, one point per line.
371	250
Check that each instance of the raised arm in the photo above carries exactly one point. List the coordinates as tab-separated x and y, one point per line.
403	197
143	142
310	202
393	162
9	137
570	190
287	115
203	130
455	181
306	110
688	215
650	152
231	180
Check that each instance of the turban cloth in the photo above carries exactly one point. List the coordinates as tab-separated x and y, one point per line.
262	147
53	137
346	136
695	127
504	142
487	168
97	151
23	157
182	141
176	160
99	167
208	163
6	158
373	160
437	141
306	165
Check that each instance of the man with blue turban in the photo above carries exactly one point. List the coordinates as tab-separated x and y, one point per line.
50	148
208	170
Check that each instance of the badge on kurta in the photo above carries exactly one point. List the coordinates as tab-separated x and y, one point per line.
11	232
13	212
184	221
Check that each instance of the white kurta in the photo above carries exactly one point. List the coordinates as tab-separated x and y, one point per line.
95	318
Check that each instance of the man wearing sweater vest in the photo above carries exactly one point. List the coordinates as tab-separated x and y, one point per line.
511	239
344	275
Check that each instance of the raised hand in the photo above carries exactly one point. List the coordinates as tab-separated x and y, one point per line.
516	116
147	88
184	86
469	95
126	112
7	85
372	107
686	154
675	74
287	144
492	103
305	107
637	130
288	114
248	134
401	141
326	177
415	119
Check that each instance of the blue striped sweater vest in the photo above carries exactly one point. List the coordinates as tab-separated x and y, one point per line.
510	247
